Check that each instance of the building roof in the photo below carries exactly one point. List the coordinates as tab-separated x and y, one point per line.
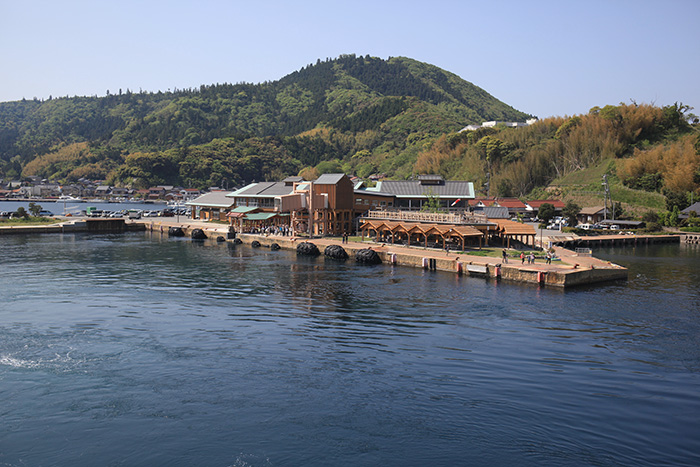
261	216
694	208
622	223
414	189
244	209
262	190
535	204
329	179
430	178
484	201
511	203
513	228
373	193
215	199
593	210
494	212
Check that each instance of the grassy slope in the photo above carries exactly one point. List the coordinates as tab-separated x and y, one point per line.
584	187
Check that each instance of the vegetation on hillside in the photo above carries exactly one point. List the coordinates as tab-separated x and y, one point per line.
363	114
642	148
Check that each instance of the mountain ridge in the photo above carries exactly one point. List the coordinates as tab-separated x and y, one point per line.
365	103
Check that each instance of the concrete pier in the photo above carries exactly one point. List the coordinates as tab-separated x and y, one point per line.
613	240
570	270
75	225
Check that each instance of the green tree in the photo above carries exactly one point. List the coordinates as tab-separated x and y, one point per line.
570	211
34	209
21	212
674	217
433	204
676	199
546	212
327	167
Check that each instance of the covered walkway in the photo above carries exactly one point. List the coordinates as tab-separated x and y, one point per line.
414	233
508	230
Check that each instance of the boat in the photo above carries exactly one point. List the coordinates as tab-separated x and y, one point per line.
69	199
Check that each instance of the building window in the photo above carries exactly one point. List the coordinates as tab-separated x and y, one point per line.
358	200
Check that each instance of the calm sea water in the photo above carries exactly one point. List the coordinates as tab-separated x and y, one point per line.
140	350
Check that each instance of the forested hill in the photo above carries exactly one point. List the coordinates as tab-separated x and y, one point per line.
358	114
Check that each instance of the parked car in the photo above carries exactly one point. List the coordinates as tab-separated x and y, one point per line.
45	213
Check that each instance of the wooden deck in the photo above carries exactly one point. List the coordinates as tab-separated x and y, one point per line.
612	240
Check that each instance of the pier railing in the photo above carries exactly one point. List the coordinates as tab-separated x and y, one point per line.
428	217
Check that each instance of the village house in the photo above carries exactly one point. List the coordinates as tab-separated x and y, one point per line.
685	213
592	215
211	206
514	206
534	205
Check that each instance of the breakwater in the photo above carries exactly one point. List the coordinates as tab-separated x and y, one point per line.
78	225
690	238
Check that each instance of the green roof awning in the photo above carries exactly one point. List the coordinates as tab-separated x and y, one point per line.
260	216
244	209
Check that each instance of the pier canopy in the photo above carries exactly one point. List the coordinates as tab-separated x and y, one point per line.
404	232
508	230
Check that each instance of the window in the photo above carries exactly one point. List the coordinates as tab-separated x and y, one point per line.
358	200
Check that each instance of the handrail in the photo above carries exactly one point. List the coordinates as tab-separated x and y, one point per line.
431	217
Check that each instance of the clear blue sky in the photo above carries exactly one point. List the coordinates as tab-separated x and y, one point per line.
542	57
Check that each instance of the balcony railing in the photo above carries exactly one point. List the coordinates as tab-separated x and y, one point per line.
428	217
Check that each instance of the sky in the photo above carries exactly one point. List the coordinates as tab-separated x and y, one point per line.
545	58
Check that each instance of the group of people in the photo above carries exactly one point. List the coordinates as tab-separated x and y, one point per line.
530	258
283	230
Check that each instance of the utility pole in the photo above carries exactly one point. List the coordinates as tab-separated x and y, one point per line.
311	209
606	195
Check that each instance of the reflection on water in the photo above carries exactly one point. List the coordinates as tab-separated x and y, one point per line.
141	349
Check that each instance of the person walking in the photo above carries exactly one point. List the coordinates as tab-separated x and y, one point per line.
505	256
522	258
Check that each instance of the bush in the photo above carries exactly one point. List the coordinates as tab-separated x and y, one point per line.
653	227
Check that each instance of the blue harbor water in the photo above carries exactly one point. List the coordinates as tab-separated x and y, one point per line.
137	349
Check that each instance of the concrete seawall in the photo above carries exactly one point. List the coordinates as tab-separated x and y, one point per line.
81	225
690	238
572	270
